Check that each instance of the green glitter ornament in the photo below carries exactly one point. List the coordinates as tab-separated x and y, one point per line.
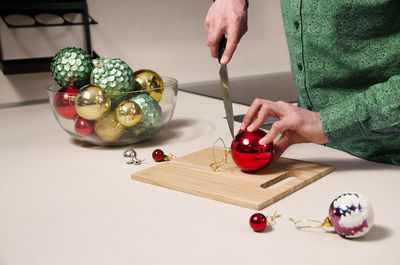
152	114
71	66
113	75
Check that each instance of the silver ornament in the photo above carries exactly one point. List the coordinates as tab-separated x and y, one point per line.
130	157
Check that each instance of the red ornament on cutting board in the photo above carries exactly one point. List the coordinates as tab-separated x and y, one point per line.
248	154
64	102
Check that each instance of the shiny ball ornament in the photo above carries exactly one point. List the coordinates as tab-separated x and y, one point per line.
83	127
351	214
149	80
128	113
248	154
64	102
152	114
129	154
258	222
130	157
92	102
158	155
109	128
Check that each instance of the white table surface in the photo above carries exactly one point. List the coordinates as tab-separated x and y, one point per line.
62	202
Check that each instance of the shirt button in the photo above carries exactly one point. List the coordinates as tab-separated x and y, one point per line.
300	66
296	24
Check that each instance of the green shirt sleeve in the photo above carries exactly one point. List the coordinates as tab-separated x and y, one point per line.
345	61
367	124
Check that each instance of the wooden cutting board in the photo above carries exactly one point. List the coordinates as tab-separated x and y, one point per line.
192	174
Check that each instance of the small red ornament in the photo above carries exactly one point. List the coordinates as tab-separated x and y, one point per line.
158	155
248	154
83	126
258	222
64	102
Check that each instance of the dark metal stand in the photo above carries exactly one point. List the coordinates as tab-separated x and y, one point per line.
32	8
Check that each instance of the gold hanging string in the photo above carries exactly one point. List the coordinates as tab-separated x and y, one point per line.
227	151
272	219
169	157
325	223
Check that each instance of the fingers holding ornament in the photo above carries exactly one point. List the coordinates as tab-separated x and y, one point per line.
254	114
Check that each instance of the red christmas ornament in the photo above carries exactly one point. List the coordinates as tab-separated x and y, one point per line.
158	155
258	222
64	102
248	154
83	126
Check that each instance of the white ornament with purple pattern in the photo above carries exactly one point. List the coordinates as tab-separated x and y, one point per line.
351	215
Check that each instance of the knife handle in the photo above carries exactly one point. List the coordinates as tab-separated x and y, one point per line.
222	45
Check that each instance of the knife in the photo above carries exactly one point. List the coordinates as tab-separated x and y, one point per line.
223	74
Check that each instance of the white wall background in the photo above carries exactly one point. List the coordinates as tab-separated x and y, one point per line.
166	36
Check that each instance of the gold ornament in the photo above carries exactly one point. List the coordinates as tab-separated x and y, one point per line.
151	81
128	113
109	128
92	102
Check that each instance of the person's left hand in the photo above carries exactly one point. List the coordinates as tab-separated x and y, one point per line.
296	124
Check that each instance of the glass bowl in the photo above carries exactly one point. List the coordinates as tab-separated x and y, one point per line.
106	130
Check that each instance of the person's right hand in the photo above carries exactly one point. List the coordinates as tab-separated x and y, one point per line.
226	17
297	125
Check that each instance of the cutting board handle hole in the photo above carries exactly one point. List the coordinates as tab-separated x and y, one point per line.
278	181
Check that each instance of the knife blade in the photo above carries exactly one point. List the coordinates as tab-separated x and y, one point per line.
223	74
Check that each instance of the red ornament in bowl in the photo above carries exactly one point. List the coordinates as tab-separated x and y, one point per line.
248	154
83	126
64	102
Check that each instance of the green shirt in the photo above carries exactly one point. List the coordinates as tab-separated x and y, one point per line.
345	60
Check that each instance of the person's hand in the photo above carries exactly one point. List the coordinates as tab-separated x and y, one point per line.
226	17
296	124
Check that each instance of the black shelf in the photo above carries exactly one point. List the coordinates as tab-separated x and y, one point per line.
31	65
32	9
